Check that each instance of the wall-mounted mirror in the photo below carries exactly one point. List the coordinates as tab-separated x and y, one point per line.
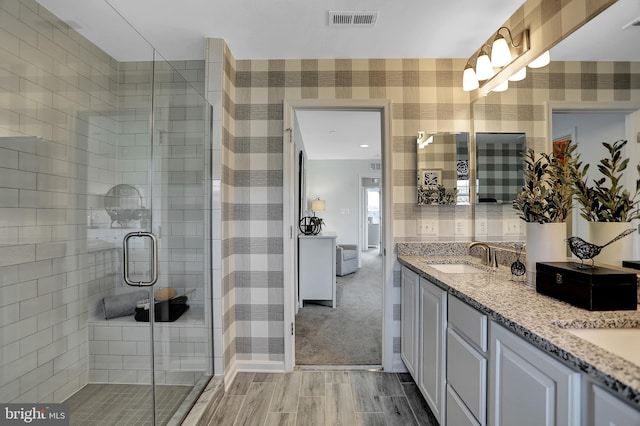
442	168
581	75
499	166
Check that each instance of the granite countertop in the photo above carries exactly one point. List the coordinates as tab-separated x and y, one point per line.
540	319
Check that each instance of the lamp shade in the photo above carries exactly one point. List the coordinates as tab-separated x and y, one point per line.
541	61
502	86
484	70
520	75
469	80
318	205
500	52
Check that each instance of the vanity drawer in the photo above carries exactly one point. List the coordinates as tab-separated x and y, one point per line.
467	374
470	323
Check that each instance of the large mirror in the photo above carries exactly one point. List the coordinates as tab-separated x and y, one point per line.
581	76
442	168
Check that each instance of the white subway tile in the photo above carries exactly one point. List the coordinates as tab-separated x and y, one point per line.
9	390
65	296
17	216
18	292
49	352
32	343
98	376
16	255
49	386
10	314
122	376
35	270
136	362
35	306
13	370
51	284
66	360
98	347
53	250
107	333
34	234
36	376
51	317
9	197
122	348
108	362
51	216
36	199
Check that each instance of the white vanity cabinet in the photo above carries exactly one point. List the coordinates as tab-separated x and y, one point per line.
609	410
432	317
423	322
410	282
466	365
527	387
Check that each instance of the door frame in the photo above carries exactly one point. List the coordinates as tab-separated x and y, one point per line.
289	228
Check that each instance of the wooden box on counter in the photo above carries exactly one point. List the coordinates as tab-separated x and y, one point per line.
600	289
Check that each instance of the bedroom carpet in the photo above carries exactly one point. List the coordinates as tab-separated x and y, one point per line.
350	334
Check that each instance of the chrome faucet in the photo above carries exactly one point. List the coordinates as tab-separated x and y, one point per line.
489	258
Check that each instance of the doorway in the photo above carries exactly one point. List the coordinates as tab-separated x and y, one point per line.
346	216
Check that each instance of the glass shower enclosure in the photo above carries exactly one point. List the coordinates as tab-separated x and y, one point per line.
102	158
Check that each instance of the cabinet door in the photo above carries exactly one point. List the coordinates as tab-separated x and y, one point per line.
431	368
457	412
610	411
527	386
409	320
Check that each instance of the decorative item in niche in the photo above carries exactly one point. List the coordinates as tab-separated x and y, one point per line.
430	178
311	225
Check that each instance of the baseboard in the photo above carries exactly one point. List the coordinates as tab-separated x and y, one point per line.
398	365
251	366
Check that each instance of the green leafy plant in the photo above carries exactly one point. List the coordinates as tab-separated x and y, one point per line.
608	200
547	193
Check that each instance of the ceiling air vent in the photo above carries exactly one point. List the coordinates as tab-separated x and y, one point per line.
352	19
635	24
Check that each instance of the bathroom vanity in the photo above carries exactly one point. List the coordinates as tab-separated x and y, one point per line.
485	350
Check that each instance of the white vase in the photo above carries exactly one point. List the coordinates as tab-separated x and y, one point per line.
601	233
545	243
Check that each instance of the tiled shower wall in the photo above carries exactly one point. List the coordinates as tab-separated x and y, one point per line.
63	131
58	131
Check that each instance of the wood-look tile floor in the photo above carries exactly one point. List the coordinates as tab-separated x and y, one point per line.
318	398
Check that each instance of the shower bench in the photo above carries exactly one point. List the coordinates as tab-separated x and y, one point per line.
119	350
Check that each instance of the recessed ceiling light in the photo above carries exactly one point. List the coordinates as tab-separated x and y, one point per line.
331	132
364	146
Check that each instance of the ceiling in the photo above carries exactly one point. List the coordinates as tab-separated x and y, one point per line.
283	29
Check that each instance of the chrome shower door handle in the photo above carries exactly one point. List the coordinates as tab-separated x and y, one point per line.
154	258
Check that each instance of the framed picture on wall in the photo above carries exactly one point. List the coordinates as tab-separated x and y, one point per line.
561	142
430	177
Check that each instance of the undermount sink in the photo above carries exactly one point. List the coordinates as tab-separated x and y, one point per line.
456	268
624	342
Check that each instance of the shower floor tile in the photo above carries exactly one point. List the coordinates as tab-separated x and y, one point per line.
107	404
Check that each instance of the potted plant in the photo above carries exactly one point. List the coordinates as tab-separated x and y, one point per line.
607	205
545	202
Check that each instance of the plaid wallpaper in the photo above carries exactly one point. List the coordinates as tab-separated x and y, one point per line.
426	95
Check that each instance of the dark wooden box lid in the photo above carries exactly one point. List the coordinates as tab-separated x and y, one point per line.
600	275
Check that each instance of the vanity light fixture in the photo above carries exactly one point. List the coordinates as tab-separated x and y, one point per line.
541	61
423	139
